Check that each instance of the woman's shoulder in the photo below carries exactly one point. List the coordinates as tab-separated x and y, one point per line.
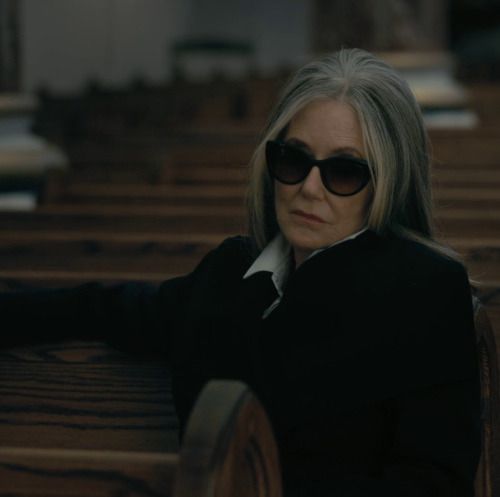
232	256
239	248
419	256
389	260
414	264
390	253
238	244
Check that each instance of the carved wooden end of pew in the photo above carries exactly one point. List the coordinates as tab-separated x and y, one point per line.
488	473
228	450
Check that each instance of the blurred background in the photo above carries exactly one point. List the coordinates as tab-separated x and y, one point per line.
66	45
97	70
126	126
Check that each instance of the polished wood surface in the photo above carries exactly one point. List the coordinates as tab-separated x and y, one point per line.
82	419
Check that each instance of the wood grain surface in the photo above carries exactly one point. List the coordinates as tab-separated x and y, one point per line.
85	396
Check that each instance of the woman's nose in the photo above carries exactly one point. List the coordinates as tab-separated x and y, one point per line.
312	186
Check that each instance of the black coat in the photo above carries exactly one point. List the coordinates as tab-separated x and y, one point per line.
367	368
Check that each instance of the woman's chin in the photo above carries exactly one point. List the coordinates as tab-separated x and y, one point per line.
313	239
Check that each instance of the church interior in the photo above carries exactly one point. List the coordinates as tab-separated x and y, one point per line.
126	129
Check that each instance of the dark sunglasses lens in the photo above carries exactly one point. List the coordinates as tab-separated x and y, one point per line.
287	164
345	177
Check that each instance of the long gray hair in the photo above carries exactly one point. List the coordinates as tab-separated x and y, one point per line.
393	133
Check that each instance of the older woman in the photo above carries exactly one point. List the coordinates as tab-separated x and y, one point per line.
351	324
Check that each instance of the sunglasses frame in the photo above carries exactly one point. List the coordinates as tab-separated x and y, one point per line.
311	162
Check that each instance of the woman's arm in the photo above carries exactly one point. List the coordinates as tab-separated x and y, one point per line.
130	316
138	317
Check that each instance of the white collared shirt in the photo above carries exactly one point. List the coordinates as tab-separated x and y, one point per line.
275	258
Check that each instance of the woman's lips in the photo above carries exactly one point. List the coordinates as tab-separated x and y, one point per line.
309	217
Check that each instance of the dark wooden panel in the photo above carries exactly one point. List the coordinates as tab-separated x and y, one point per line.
85	396
85	473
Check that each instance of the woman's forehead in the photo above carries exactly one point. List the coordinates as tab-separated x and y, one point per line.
325	126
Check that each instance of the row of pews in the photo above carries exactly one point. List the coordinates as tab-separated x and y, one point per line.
100	219
466	181
148	207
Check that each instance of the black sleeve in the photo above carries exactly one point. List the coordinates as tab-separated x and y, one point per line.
135	316
128	316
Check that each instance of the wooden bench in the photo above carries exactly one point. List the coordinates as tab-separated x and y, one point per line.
83	417
22	279
73	192
109	219
460	148
471	177
468	223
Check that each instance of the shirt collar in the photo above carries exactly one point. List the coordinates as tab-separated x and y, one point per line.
275	258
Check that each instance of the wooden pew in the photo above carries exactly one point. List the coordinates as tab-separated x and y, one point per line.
74	192
133	219
468	223
470	177
473	199
25	279
461	148
193	174
179	148
104	252
83	419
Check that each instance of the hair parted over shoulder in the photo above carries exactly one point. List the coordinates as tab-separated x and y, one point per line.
393	133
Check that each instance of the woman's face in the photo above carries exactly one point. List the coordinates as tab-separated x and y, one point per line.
309	216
